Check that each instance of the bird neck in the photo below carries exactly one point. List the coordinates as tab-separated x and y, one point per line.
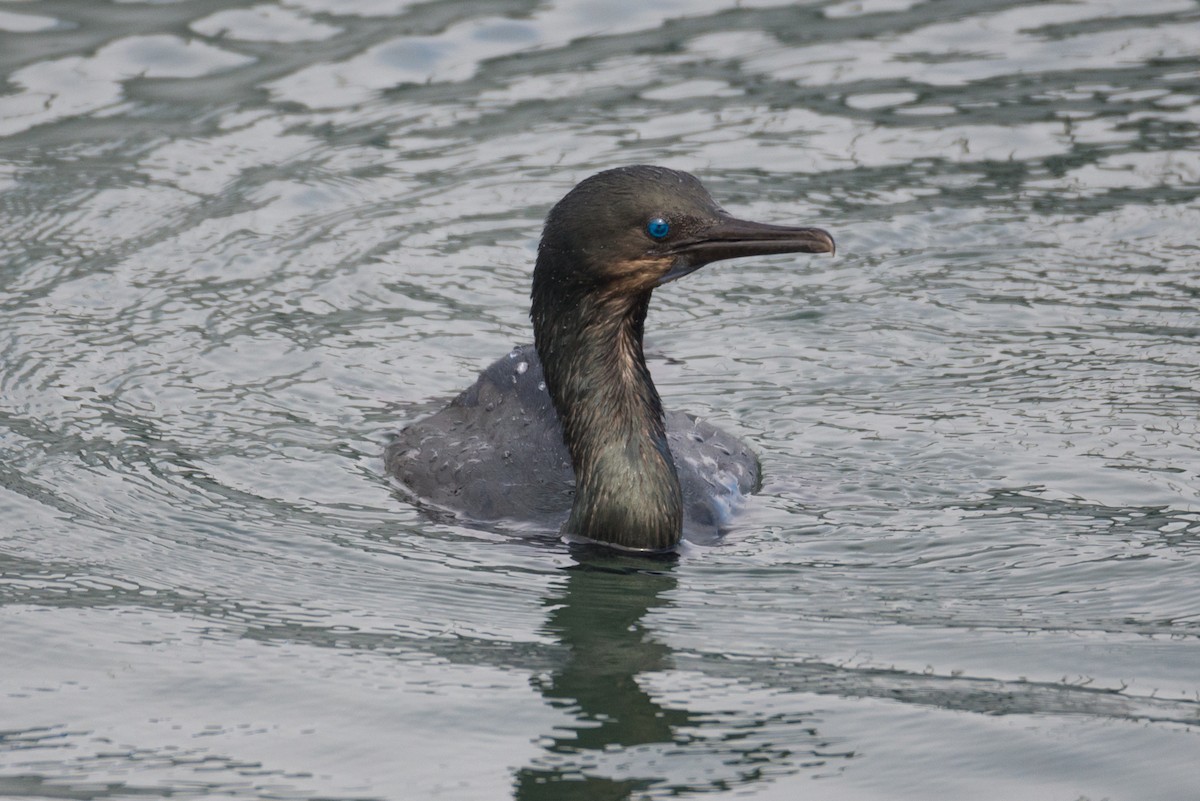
627	492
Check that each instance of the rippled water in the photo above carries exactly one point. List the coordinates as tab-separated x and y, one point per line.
240	243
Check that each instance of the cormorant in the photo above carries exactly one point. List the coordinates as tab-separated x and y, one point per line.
570	433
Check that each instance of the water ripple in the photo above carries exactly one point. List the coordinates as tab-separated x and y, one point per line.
238	245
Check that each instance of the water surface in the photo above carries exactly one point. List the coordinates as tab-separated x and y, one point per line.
240	243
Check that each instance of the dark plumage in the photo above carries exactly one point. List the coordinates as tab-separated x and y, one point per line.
573	435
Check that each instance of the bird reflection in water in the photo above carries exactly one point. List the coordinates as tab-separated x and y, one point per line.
617	745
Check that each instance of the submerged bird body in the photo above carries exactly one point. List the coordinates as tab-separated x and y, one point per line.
571	433
496	452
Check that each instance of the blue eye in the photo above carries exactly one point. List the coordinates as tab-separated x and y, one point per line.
658	228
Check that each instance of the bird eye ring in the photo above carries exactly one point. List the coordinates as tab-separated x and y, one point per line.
658	228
